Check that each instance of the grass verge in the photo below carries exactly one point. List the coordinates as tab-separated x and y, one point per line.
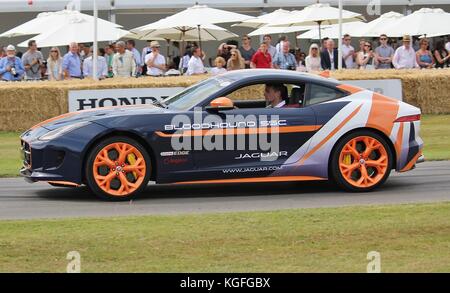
410	238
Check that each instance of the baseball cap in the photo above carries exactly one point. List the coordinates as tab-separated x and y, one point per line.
10	48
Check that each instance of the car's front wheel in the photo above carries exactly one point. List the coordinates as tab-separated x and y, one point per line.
118	168
361	161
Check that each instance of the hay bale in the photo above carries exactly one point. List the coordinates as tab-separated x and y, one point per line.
24	104
27	103
427	89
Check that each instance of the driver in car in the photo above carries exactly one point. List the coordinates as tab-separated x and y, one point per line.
276	95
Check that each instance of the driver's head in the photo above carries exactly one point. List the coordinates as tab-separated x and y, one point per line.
275	93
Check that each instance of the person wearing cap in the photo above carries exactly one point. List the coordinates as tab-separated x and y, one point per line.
123	62
156	63
405	56
11	67
312	61
33	61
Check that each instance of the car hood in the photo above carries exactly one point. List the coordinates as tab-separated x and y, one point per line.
98	113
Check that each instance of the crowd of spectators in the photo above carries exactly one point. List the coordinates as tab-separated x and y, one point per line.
123	59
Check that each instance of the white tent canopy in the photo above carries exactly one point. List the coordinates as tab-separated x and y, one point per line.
332	31
426	21
77	30
208	32
262	20
318	13
48	20
194	16
270	30
379	25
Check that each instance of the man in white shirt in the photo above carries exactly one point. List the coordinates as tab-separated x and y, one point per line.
195	65
348	52
405	56
447	45
123	62
156	63
276	95
102	67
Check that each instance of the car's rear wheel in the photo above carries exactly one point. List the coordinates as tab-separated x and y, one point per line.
361	161
118	168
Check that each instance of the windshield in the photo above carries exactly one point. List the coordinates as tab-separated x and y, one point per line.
195	94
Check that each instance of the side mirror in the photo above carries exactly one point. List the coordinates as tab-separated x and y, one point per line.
222	103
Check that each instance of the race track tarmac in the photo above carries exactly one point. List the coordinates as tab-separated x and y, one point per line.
429	182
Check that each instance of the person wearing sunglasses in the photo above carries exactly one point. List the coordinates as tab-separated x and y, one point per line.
236	61
384	53
348	52
313	60
366	59
405	56
423	56
54	65
246	50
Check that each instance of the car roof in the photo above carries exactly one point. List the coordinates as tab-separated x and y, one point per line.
276	74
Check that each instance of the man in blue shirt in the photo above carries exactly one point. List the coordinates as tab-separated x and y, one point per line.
137	56
71	63
284	59
11	67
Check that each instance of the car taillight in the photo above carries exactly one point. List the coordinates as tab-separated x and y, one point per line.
409	118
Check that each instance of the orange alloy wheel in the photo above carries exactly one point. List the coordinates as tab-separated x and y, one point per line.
119	169
363	161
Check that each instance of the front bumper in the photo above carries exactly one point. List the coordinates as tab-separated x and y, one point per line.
421	159
60	159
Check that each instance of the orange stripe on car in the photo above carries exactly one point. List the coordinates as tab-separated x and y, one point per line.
330	135
350	88
64	183
242	131
411	163
254	180
53	119
383	113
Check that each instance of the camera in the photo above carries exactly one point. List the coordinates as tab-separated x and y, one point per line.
14	72
291	67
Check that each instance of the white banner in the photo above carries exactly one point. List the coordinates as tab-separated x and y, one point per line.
388	87
88	99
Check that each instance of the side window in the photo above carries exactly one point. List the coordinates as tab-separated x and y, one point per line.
254	96
318	94
248	93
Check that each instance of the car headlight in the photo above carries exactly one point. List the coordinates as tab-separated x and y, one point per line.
62	130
